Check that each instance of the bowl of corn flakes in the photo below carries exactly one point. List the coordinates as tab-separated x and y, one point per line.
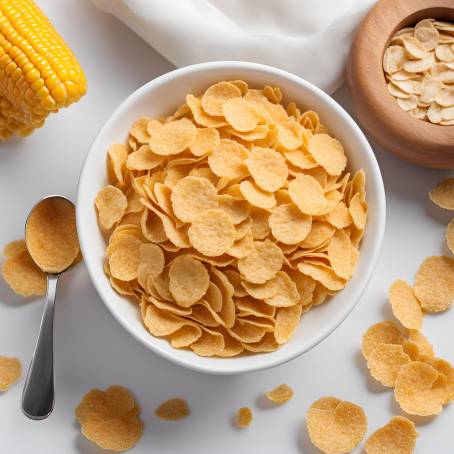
230	215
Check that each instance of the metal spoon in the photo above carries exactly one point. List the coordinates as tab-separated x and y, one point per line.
38	393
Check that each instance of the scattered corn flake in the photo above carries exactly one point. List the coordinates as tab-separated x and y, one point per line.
13	248
425	349
434	283
449	236
386	332
405	306
281	394
23	276
10	372
212	233
268	168
173	409
385	361
115	434
244	417
111	204
445	368
188	280
114	402
335	426
110	418
443	194
420	389
398	436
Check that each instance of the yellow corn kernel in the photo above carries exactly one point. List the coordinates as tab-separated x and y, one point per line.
38	72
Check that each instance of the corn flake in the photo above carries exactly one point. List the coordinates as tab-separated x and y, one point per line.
268	168
385	361
434	283
288	224
256	196
10	372
398	436
172	138
420	389
192	196
263	263
335	426
443	194
111	204
287	320
244	417
228	159
215	96
188	280
173	409
328	153
280	395
110	418
23	275
405	306
381	333
212	233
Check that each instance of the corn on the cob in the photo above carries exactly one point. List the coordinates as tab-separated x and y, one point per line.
38	72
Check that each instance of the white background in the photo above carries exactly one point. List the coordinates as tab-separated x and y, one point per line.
92	350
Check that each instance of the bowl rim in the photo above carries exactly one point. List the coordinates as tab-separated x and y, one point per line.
268	360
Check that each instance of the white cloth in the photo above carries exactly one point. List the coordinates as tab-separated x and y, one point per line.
310	38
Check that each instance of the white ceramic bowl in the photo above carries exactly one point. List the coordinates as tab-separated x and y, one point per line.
161	96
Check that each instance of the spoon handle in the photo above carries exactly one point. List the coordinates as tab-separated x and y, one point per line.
38	393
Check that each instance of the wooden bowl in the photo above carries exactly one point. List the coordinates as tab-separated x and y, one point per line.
414	140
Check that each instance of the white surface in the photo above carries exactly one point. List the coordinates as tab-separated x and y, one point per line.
162	96
93	350
281	33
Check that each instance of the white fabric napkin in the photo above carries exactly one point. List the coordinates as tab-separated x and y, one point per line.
310	38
